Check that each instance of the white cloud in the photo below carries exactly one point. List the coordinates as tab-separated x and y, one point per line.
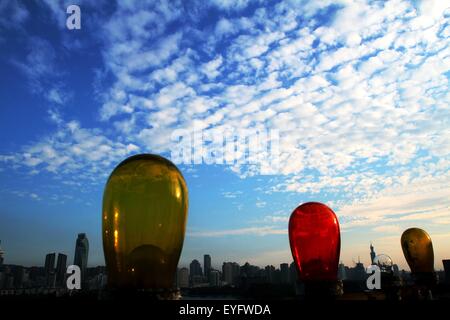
259	231
210	69
358	101
75	149
409	198
225	27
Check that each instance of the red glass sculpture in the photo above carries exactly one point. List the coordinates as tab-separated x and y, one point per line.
315	241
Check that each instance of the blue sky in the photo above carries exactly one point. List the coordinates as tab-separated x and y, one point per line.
358	92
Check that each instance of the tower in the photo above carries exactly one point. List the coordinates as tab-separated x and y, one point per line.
207	265
372	253
49	268
61	265
81	254
195	272
49	263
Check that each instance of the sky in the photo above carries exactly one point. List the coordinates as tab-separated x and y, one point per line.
357	91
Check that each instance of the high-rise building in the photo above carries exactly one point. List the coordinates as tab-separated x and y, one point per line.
195	269
49	266
81	255
269	271
214	278
230	272
20	276
61	266
249	271
236	272
183	278
293	273
284	269
49	269
9	281
446	263
342	273
396	270
227	271
372	254
207	265
357	273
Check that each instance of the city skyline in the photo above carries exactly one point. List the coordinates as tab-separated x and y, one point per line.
235	278
357	92
230	275
214	266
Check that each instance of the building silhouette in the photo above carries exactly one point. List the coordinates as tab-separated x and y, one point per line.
49	268
214	278
372	254
342	273
81	255
49	265
207	265
195	272
20	276
284	270
293	273
357	273
183	278
396	270
61	266
269	271
195	269
446	263
231	272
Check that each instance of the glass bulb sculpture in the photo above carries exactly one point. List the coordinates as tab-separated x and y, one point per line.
418	250
384	262
144	217
315	241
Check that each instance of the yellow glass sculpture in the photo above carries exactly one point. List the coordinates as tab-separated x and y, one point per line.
418	250
145	205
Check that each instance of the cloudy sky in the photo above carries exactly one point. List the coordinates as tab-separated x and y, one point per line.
358	91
